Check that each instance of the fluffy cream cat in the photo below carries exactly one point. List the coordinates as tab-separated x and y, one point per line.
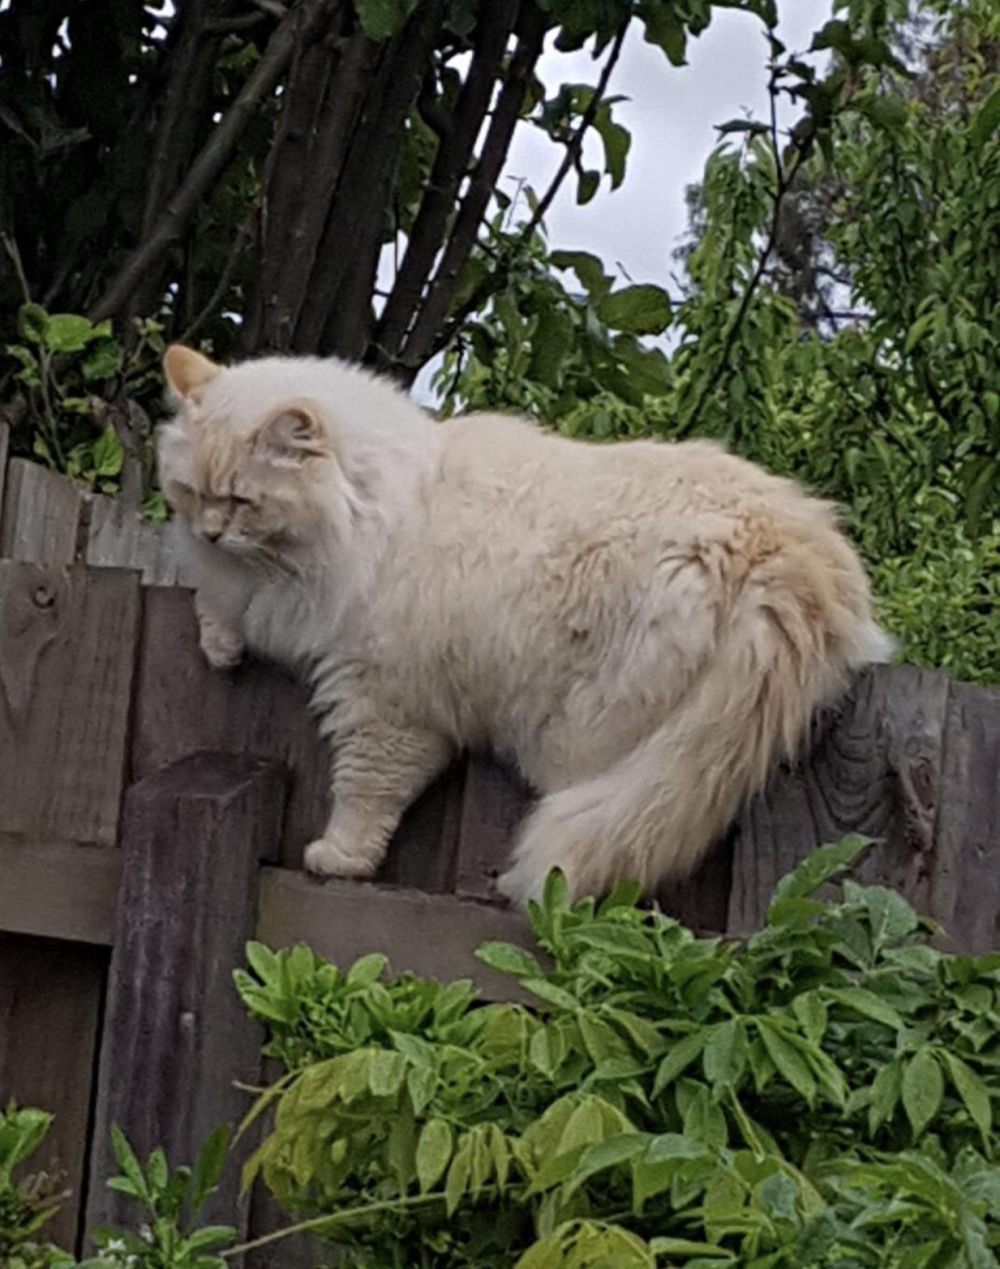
641	627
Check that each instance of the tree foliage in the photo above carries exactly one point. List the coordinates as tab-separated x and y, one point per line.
840	318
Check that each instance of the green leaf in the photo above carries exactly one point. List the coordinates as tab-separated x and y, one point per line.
587	268
368	969
102	361
788	1060
108	455
986	120
867	1004
923	1090
887	111
678	1059
508	959
68	332
211	1160
458	1175
820	866
127	1161
210	1236
381	19
665	29
972	1091
725	1056
642	309
32	323
434	1148
752	126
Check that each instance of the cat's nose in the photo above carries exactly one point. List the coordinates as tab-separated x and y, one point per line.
212	535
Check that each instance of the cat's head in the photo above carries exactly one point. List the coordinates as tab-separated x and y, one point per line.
250	466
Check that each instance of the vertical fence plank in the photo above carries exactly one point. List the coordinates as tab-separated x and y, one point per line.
965	875
494	804
175	1036
874	768
118	537
422	852
50	998
41	515
67	653
4	441
183	704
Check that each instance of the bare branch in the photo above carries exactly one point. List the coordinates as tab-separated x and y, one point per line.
574	146
450	165
421	342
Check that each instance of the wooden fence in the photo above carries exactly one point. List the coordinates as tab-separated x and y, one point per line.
153	812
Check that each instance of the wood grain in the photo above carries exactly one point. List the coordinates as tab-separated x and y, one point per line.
4	444
422	852
495	802
432	935
41	515
182	704
964	888
175	1035
61	892
50	1000
118	537
67	649
874	767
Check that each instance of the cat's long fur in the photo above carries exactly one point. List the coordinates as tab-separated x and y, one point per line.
642	627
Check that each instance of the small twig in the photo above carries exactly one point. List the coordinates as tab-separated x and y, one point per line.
10	246
574	146
783	184
240	240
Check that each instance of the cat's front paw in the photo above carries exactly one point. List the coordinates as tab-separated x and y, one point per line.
223	649
328	858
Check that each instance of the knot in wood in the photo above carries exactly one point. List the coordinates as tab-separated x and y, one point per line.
43	597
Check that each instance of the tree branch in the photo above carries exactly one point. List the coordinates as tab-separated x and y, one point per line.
450	165
357	222
304	22
421	341
575	145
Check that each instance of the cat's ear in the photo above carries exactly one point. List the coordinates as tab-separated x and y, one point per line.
292	436
187	370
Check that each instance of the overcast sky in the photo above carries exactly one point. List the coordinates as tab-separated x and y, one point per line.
671	113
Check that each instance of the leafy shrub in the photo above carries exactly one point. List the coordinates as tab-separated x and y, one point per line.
821	1094
27	1204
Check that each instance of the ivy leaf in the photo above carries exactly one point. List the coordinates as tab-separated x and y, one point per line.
923	1089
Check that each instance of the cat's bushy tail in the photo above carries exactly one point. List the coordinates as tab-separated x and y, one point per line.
657	811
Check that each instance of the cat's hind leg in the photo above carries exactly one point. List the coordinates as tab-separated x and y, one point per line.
378	770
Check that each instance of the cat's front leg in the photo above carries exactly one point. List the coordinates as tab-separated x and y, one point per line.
220	640
378	770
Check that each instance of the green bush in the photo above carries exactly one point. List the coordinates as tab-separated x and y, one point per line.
822	1094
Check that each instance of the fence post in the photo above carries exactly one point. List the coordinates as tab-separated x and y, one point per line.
175	1036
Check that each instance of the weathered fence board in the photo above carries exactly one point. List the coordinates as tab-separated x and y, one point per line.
4	442
68	639
59	891
41	515
495	803
118	537
184	705
433	935
193	837
964	889
873	768
50	997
